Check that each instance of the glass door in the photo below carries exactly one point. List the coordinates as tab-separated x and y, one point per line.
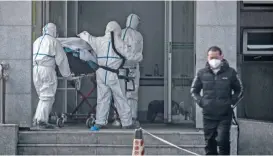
65	15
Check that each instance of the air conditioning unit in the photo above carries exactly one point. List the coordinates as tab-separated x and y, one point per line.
258	41
258	44
256	2
257	5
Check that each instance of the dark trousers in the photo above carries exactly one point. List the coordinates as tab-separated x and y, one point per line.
217	133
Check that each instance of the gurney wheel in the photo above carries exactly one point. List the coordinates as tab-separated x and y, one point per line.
60	122
90	122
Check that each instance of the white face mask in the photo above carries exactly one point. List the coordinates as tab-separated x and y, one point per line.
214	63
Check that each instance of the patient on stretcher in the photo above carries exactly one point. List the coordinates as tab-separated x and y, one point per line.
81	57
76	44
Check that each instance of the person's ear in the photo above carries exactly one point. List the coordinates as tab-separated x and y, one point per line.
222	56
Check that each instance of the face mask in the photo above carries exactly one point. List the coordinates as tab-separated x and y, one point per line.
214	63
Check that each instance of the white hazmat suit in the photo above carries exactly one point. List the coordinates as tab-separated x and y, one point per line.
132	37
108	82
47	52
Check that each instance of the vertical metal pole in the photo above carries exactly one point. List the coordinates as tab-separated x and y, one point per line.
47	11
76	99
65	18
170	65
2	96
76	9
65	34
76	16
2	92
65	96
166	62
43	13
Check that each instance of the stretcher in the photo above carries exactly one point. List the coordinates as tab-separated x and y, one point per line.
90	116
83	64
83	61
82	68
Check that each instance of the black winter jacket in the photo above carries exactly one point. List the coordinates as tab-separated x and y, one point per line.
217	89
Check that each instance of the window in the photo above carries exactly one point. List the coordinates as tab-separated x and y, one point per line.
258	41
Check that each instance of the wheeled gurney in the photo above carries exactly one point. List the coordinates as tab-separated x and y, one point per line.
90	116
82	63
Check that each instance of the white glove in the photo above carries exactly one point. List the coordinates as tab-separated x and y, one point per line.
69	78
83	34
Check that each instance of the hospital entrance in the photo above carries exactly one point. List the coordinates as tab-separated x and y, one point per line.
168	62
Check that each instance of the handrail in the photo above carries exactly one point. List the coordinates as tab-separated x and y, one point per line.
3	78
235	121
234	117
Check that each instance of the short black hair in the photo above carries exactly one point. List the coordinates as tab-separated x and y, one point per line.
215	48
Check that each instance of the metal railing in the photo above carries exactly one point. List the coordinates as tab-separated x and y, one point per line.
3	78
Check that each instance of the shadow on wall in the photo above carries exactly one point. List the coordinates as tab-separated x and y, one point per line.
256	137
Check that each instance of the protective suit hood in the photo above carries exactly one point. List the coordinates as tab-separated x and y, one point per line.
50	29
132	21
113	26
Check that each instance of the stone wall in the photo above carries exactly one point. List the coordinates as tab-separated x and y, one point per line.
255	137
15	49
216	24
8	139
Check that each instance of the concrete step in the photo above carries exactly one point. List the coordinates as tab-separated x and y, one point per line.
96	149
107	137
106	142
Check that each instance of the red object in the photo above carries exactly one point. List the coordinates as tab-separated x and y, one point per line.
138	147
142	153
136	142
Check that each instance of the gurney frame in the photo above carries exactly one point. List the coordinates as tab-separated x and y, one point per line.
76	84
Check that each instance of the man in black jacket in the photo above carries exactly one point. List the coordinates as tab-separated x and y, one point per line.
217	80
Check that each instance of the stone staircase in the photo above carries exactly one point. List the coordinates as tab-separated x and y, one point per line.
106	142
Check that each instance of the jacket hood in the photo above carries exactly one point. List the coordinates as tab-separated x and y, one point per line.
132	21
50	29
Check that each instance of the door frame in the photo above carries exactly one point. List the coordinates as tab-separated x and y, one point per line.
168	63
168	52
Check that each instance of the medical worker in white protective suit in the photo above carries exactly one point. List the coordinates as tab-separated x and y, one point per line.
132	37
108	82
47	53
